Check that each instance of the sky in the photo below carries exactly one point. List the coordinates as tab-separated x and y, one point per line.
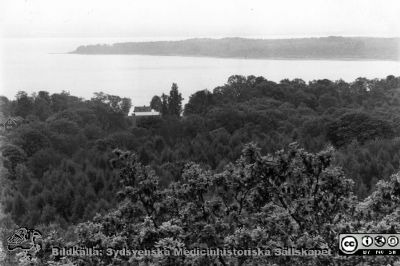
204	18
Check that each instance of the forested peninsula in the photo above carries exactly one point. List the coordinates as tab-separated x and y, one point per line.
329	48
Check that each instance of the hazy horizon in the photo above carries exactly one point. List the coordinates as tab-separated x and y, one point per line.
182	19
178	38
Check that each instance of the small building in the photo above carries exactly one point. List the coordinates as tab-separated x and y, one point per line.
11	123
143	111
140	112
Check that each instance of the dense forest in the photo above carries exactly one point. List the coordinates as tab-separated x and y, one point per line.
253	163
341	48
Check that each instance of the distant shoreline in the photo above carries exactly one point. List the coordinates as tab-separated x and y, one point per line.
245	58
325	48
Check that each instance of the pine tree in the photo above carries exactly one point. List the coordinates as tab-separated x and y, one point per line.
164	104
175	101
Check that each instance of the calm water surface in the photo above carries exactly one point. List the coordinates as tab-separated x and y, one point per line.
41	64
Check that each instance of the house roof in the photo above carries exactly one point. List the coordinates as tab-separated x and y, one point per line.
10	120
138	109
14	120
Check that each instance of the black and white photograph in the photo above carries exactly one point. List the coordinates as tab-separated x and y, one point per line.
200	132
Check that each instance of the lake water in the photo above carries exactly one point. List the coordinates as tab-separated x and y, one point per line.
41	64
